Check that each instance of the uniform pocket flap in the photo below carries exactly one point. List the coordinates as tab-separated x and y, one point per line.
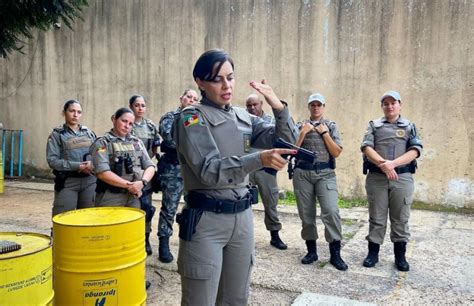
331	186
196	271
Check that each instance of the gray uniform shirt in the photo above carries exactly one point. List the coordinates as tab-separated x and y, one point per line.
269	120
213	145
391	140
315	142
107	149
147	131
66	148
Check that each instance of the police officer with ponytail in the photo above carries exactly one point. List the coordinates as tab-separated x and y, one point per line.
169	176
391	145
147	132
67	153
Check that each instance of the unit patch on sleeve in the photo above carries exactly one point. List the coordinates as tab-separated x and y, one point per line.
190	120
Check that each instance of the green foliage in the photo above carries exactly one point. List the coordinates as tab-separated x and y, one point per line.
343	203
19	17
347	203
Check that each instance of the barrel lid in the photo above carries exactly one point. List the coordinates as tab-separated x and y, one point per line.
98	216
30	243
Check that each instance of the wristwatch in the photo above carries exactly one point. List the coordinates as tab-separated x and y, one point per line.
145	182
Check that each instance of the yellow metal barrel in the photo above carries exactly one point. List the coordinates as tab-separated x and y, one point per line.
99	257
26	274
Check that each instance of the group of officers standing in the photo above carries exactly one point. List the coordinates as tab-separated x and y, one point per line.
117	169
211	150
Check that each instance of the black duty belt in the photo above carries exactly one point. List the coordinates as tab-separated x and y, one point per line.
316	166
200	201
399	170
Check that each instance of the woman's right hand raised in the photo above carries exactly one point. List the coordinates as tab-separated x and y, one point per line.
273	158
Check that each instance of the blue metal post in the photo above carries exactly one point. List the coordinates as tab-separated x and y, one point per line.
20	153
12	151
4	137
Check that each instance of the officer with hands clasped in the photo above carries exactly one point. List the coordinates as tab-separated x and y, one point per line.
67	153
390	146
169	176
266	182
147	132
213	140
122	164
317	180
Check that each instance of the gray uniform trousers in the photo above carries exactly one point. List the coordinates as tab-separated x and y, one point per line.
393	198
221	240
309	186
109	199
78	192
268	188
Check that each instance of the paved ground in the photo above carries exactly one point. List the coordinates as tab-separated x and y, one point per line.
441	257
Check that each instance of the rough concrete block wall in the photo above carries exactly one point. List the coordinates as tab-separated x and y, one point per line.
351	51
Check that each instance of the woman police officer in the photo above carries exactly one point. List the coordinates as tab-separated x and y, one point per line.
213	139
391	145
169	176
66	153
121	163
147	132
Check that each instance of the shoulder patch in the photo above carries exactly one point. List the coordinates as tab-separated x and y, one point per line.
190	120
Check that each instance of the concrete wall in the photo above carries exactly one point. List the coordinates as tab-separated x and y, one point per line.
351	51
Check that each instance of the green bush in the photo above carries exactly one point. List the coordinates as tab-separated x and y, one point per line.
343	203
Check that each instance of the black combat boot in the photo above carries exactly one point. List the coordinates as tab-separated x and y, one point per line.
312	256
164	254
399	249
373	256
148	249
336	260
276	241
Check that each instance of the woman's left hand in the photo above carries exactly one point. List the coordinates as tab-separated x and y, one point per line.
267	91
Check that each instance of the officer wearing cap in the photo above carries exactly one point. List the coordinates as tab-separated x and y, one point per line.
266	182
317	182
213	140
391	145
147	132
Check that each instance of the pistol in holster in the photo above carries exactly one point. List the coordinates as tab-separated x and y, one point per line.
253	190
365	165
59	180
188	219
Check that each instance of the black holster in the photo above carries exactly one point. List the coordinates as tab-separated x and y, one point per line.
253	190
59	180
365	165
188	219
